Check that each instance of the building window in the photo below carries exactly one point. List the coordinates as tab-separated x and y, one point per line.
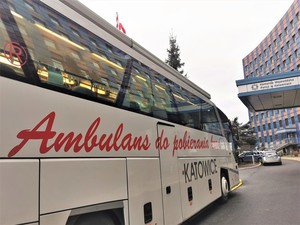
280	37
93	42
38	21
278	69
294	38
286	121
23	30
292	24
96	65
64	35
296	53
288	45
113	72
50	43
293	120
109	48
75	32
84	74
55	21
57	64
75	55
275	43
286	31
29	6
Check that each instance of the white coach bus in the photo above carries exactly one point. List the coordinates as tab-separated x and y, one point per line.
97	130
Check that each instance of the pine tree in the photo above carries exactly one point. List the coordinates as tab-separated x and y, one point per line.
174	55
243	134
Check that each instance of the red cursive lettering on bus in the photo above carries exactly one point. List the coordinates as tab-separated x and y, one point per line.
86	142
188	143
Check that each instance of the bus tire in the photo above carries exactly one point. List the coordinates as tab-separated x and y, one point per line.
97	218
224	188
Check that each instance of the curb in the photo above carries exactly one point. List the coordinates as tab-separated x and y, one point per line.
237	186
250	167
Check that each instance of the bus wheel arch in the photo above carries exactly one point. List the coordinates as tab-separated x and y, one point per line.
107	217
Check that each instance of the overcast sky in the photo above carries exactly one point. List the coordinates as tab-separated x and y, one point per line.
213	36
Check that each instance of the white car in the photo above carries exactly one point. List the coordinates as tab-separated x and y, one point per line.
271	157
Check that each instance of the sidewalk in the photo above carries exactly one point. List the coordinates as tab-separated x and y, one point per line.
291	158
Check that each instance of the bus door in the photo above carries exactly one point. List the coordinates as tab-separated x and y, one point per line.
169	174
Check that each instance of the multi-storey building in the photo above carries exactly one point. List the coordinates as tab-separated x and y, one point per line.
277	53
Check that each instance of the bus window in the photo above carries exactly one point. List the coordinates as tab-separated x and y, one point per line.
12	54
209	119
188	106
163	106
62	51
138	94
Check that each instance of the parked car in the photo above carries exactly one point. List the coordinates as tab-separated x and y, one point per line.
248	156
271	157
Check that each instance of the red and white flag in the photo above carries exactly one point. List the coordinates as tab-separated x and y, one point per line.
119	25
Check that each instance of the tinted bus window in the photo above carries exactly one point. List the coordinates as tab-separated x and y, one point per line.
71	59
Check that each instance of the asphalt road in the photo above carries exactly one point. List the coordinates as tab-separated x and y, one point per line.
270	195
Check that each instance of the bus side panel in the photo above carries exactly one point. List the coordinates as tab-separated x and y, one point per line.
70	183
200	183
144	188
55	218
169	176
28	108
18	191
234	178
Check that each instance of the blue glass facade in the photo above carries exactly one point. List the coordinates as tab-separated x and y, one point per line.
277	53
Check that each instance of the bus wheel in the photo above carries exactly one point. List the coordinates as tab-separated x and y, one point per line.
97	219
224	188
